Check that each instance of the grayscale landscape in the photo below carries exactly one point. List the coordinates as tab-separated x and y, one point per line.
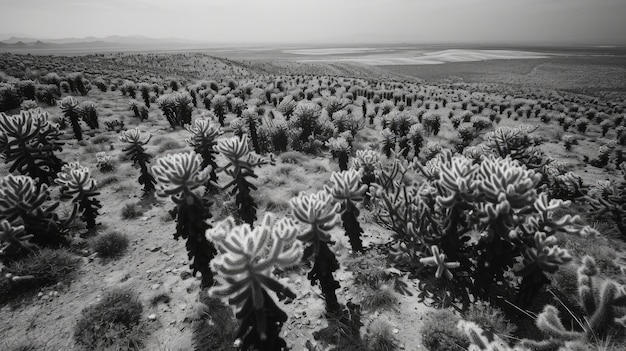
279	175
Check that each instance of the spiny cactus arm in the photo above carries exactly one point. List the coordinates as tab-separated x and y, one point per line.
346	186
75	179
550	324
457	178
481	340
179	174
246	254
438	259
545	255
134	136
18	192
10	235
319	212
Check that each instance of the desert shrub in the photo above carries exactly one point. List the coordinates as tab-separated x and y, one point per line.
28	105
213	326
9	97
605	125
440	333
89	114
379	337
43	268
113	322
490	318
130	211
48	94
432	123
380	299
581	124
110	244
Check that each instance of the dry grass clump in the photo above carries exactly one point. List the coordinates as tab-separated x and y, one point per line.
47	267
111	244
130	211
114	323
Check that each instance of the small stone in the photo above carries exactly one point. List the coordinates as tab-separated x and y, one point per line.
155	286
184	275
155	249
152	317
40	295
395	331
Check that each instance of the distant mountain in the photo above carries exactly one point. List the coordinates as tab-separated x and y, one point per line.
114	42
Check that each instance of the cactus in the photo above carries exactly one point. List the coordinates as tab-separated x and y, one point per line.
219	103
140	157
88	113
251	118
178	175
340	149
14	238
347	189
103	162
612	200
320	214
388	144
69	106
246	257
240	167
203	140
23	202
369	162
29	141
76	183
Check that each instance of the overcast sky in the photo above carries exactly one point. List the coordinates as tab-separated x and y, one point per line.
331	21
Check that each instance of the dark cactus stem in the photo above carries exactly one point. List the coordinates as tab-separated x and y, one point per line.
74	120
260	329
352	227
146	179
220	113
343	160
497	256
325	264
89	207
253	135
245	203
192	214
404	146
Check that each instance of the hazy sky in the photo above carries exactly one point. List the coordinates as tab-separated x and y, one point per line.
272	21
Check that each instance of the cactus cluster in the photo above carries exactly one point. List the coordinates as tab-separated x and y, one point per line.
347	189
77	184
245	260
29	141
240	167
203	140
31	217
178	175
136	152
320	214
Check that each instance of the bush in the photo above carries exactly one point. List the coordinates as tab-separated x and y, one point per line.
440	333
47	267
379	337
113	322
130	211
110	244
490	318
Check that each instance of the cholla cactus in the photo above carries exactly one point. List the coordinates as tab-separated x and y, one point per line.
240	167
69	106
506	187
178	176
367	162
14	238
518	143
245	260
416	136
103	162
89	114
203	140
306	116
251	117
438	259
603	308
76	183
388	143
238	125
481	340
340	149
320	214
611	198
140	157
29	141
23	202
